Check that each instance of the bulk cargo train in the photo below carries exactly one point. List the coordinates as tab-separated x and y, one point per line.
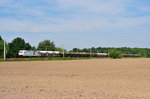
31	53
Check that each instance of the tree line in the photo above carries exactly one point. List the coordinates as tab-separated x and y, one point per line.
144	52
18	43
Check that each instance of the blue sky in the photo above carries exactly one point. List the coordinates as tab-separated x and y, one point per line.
77	23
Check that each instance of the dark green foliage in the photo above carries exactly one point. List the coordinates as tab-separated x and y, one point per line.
75	50
144	52
114	53
46	45
93	50
60	49
85	50
27	46
16	45
1	38
33	48
1	47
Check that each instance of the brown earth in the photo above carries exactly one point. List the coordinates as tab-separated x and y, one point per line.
76	79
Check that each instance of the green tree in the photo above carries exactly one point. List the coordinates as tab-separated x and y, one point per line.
60	49
33	48
16	45
75	50
114	53
1	47
93	50
46	45
86	50
1	38
27	46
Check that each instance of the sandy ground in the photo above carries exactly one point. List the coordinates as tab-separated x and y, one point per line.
76	79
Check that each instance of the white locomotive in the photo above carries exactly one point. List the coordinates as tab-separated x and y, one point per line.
31	53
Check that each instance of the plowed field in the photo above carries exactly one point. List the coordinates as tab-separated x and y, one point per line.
76	79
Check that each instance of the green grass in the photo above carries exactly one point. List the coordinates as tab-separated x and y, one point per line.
57	58
41	59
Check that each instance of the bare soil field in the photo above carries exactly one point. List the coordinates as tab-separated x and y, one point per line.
76	79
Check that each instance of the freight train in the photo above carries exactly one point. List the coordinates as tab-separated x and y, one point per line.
31	53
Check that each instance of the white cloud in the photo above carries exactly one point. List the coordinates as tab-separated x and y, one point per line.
86	16
145	8
74	25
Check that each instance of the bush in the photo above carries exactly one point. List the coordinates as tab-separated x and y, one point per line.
49	58
115	54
